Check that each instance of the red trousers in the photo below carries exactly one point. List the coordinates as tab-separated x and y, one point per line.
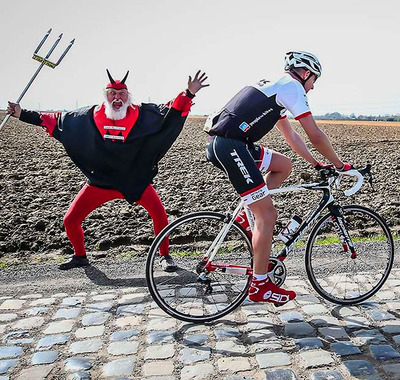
92	197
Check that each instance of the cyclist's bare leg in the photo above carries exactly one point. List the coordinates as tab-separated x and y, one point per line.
261	288
265	216
278	170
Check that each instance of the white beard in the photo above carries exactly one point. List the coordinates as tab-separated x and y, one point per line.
113	114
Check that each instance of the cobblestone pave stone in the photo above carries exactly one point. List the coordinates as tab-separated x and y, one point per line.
309	343
345	348
228	348
392	371
119	367
122	334
99	306
44	357
93	319
158	368
316	358
28	323
360	368
38	372
85	346
383	352
280	374
299	329
122	348
195	339
10	351
59	327
8	317
164	351
78	364
89	331
193	355
327	375
197	372
70	313
50	341
275	359
234	365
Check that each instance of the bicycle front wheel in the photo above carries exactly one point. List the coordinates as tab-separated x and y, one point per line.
339	275
192	293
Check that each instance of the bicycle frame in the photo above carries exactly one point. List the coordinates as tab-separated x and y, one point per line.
327	201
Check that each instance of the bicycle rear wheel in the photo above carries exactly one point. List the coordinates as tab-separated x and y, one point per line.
331	269
183	294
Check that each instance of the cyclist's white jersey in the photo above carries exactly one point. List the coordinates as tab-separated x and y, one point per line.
254	110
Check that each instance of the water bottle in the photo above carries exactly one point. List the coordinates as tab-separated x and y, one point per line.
290	229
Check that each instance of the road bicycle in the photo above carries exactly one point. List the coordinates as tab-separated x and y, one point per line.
348	255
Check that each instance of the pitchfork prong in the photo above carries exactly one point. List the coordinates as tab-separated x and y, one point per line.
54	46
46	61
42	41
65	52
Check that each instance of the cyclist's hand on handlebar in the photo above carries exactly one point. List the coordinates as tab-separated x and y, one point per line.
345	167
321	165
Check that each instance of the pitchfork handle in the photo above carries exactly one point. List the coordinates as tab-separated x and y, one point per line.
22	94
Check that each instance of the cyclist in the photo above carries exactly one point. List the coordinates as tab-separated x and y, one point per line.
245	119
117	146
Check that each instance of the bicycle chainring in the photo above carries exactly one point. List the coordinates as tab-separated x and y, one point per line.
277	270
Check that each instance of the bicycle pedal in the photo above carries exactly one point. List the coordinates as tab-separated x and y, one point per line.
204	279
279	304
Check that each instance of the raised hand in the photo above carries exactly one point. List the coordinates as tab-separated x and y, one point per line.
197	83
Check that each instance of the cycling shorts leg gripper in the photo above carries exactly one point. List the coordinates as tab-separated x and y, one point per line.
262	156
235	159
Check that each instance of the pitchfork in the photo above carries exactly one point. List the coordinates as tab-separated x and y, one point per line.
43	61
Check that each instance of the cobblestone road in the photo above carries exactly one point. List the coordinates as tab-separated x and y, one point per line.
121	334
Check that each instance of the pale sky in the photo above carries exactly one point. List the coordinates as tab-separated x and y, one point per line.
235	42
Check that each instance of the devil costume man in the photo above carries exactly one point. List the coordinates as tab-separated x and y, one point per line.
118	156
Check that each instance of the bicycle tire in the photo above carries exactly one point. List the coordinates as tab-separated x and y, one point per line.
178	293
333	273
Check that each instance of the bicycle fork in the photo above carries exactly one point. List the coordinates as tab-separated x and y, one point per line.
341	229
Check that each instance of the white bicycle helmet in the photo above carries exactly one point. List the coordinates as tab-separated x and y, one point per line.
303	59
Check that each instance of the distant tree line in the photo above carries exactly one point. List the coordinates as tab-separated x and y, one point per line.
339	116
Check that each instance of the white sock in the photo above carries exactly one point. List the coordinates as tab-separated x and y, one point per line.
260	277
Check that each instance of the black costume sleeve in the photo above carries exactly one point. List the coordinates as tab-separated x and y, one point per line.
30	117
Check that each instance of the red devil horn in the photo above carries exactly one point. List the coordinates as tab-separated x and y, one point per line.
126	76
110	77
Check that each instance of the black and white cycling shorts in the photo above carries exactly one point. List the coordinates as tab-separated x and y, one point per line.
243	164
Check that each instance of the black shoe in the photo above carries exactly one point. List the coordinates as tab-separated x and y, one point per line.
168	264
75	262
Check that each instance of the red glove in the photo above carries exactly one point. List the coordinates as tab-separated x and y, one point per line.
322	165
346	166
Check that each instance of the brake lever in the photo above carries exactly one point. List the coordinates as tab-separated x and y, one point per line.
370	177
367	171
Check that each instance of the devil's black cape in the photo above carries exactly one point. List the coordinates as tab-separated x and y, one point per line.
128	166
